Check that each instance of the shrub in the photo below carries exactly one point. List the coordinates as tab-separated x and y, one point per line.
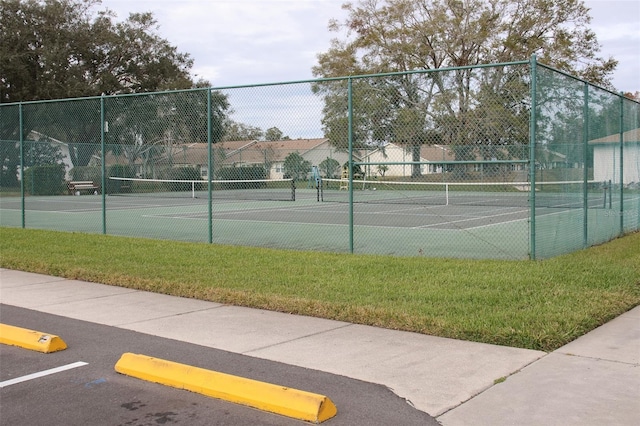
186	174
92	173
119	170
242	173
45	180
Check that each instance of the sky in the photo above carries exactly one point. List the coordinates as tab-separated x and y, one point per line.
238	42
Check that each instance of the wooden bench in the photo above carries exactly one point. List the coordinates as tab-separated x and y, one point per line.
76	187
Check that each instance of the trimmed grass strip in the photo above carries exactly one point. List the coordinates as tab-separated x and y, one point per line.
528	304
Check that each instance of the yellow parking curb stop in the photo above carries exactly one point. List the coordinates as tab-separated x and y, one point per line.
281	400
30	339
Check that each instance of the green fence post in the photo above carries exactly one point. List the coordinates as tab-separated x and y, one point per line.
635	113
621	163
350	137
103	130
585	170
209	166
532	160
21	139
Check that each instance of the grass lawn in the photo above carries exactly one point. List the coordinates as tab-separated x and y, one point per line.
527	304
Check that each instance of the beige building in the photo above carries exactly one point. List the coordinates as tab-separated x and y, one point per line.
606	157
271	154
392	153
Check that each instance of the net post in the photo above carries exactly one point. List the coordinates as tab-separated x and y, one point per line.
610	192
446	191
293	190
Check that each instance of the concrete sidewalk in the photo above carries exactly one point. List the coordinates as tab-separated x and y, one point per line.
594	380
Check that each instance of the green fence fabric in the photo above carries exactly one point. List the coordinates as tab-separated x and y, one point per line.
504	161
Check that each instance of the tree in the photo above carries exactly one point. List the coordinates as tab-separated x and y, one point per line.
633	96
403	35
62	48
371	123
153	126
274	134
296	167
329	167
65	49
9	145
356	170
42	154
234	131
460	106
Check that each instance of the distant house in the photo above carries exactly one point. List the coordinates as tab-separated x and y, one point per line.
62	146
438	160
606	157
548	159
268	154
272	154
392	153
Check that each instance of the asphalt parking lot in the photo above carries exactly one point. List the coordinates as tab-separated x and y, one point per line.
90	391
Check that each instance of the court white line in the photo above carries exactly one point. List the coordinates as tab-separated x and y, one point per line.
475	218
42	374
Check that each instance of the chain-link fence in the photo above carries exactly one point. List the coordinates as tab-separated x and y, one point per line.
501	161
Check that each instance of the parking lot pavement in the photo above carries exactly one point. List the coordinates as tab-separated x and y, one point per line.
92	392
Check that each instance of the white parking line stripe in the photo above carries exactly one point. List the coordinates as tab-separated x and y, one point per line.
42	374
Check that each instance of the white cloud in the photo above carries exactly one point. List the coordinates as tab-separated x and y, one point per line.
617	32
617	26
243	41
235	42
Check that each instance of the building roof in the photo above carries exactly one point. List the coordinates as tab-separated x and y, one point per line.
436	153
431	153
630	136
259	152
245	152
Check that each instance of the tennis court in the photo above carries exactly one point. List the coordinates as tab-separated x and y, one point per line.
306	210
550	166
251	216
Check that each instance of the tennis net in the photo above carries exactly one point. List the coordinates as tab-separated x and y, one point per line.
565	194
253	189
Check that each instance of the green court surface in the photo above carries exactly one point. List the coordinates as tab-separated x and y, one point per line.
306	224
